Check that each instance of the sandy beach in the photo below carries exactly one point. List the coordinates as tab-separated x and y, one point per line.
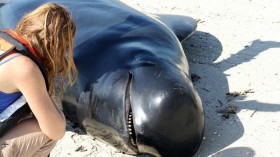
234	60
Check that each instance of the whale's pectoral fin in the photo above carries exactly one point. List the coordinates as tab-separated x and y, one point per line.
182	26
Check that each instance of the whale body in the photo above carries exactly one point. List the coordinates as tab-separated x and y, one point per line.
134	89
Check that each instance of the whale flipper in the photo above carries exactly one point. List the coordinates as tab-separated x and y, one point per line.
182	26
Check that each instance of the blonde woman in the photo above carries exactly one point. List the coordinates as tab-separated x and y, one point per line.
48	33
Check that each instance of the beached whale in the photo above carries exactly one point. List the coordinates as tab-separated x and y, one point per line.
134	89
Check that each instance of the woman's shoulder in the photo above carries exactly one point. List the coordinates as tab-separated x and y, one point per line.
21	65
16	70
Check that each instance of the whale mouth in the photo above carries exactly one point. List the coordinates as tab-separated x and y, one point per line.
129	116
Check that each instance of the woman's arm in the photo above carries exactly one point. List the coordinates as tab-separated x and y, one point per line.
29	80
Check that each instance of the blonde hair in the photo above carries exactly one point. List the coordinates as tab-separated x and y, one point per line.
50	30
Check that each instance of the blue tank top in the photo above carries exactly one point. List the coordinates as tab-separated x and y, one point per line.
6	99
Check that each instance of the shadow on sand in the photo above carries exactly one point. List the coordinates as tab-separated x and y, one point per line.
202	49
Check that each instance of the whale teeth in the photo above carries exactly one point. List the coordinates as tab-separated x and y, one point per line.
130	128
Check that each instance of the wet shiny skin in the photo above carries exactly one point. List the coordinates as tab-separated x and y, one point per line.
129	62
